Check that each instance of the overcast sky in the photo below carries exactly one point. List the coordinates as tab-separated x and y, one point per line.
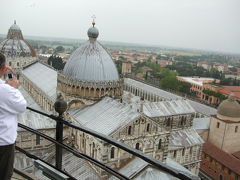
201	24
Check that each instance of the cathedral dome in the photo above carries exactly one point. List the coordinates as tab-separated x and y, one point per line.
91	61
15	26
229	109
15	45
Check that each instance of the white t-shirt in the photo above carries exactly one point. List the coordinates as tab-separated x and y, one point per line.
12	103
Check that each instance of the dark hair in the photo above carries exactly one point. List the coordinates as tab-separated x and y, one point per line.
2	60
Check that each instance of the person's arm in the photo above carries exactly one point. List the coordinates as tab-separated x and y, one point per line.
17	103
12	99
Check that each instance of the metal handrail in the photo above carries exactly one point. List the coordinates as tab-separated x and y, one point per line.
22	174
76	153
112	141
37	158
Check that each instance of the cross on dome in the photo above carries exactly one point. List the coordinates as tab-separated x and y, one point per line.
93	22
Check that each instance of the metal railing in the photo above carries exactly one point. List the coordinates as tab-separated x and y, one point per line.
60	120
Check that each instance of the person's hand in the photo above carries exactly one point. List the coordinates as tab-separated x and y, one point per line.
8	69
13	82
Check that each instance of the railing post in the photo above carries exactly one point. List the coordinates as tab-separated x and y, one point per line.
60	107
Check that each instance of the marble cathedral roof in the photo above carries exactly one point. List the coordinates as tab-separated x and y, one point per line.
106	116
201	108
184	138
91	61
31	119
44	77
77	167
15	45
167	108
139	169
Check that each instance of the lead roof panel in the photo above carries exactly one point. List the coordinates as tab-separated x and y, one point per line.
167	108
43	77
106	116
201	108
139	169
32	119
184	138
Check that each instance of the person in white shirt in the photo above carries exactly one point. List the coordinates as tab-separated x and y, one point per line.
12	103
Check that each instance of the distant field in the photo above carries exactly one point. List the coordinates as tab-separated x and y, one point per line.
180	53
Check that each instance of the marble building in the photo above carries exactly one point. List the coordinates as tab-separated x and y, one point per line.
18	51
128	111
90	73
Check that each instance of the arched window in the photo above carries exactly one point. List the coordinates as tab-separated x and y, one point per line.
160	144
148	127
175	153
220	177
83	141
168	122
93	149
10	63
137	146
112	152
183	152
37	139
218	124
17	63
129	130
182	120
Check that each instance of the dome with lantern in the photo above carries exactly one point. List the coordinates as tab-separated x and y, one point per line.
90	71
91	61
15	45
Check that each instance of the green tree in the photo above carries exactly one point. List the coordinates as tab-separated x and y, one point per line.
158	57
119	66
56	62
184	87
59	49
149	58
233	69
169	82
43	48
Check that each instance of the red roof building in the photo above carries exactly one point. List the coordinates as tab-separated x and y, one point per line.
217	164
230	90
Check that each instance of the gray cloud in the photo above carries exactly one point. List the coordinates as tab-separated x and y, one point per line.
202	24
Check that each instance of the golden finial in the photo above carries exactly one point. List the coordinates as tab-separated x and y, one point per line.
93	22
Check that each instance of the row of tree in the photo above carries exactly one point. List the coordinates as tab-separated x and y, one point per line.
168	79
190	69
